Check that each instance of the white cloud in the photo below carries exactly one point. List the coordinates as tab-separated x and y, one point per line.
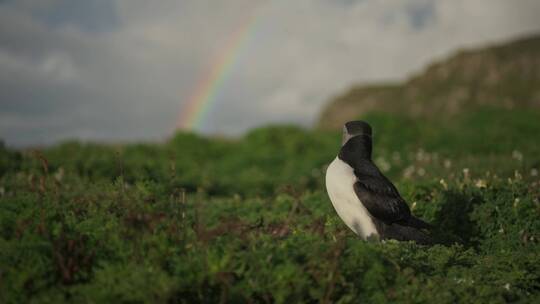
128	81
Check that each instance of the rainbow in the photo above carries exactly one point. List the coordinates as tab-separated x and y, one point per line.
205	94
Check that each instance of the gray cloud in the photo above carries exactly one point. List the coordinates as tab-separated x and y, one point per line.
121	70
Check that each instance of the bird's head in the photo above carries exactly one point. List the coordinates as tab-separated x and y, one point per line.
355	128
356	143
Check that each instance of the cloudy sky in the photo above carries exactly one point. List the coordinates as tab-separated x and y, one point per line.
121	70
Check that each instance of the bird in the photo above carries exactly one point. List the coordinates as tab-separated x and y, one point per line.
367	202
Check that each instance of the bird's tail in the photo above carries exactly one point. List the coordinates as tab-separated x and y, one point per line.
419	237
406	233
417	223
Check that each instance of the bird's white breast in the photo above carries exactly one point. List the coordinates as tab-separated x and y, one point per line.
340	181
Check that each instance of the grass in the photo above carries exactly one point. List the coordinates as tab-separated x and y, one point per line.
248	220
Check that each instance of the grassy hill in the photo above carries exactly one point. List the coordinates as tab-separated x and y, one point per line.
505	76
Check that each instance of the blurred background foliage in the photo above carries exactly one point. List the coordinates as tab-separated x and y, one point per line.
269	157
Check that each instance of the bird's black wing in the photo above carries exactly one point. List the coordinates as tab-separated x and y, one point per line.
379	195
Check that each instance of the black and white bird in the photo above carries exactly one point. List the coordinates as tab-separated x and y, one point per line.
368	203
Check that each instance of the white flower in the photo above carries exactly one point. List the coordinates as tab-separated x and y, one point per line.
466	173
409	171
59	175
447	163
517	155
480	183
420	155
444	184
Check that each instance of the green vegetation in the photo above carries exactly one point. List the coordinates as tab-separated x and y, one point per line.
215	220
